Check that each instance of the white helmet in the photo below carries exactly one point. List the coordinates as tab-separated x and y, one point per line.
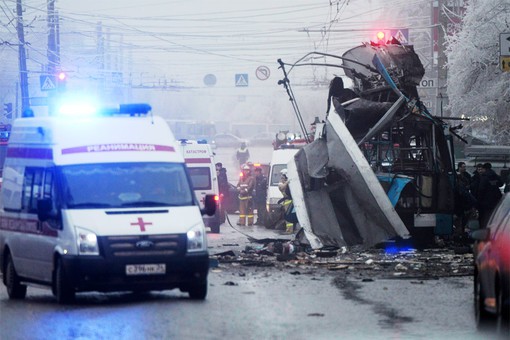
283	172
246	167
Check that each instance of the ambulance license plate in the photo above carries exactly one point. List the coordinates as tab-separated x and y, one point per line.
145	269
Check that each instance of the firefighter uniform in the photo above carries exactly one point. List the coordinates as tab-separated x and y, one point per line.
287	200
245	189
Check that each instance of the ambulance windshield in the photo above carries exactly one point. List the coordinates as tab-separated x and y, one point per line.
119	185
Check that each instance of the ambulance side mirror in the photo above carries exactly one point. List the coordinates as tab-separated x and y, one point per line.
44	207
210	203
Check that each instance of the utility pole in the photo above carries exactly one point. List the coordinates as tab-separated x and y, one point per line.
53	57
53	52
442	74
23	74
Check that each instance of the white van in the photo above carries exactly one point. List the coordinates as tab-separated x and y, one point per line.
279	161
199	159
100	203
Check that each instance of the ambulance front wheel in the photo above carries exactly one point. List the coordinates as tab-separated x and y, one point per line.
61	286
198	291
15	289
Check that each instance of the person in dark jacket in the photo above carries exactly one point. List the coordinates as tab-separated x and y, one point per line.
489	193
475	180
259	196
464	200
223	186
339	94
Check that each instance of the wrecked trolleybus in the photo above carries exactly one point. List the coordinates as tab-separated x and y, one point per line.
409	151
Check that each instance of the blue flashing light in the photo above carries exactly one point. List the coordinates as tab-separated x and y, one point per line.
395	249
201	141
77	110
138	108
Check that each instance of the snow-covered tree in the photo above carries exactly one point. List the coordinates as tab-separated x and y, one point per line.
477	87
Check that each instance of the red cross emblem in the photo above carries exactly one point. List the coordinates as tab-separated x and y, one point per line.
141	223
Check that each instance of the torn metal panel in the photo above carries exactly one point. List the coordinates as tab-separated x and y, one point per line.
348	206
402	63
384	121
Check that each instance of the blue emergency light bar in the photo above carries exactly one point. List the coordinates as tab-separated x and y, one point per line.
85	109
137	109
185	141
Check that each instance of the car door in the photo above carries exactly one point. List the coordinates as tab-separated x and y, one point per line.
40	238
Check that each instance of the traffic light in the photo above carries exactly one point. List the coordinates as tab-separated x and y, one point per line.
8	110
380	38
61	80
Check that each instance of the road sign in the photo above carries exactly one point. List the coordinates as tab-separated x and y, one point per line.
47	83
210	79
427	83
504	44
262	72
504	63
401	35
241	80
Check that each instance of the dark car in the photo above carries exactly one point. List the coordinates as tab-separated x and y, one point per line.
492	270
227	140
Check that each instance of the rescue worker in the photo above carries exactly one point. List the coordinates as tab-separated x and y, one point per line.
286	200
245	189
259	197
242	154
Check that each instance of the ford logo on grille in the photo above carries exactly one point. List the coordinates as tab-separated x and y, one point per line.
144	244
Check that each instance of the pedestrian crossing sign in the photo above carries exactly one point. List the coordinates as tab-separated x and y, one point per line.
241	80
402	35
47	82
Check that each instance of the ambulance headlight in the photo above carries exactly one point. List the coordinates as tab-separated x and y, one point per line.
196	239
87	242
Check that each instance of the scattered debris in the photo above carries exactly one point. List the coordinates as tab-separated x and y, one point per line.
414	264
316	314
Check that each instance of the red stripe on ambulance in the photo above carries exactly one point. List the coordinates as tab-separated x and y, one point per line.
197	160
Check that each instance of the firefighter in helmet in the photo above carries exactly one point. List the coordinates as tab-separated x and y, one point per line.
245	189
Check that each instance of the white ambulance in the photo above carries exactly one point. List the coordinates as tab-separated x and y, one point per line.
199	159
100	203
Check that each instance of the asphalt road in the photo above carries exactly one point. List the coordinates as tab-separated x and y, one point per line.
246	301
